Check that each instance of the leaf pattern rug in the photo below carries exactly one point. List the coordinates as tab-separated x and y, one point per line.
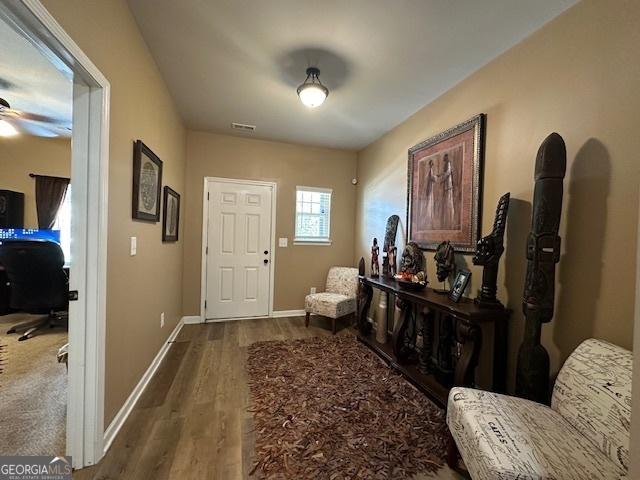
329	408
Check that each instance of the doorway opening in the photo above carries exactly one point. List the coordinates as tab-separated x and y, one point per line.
83	216
238	242
35	211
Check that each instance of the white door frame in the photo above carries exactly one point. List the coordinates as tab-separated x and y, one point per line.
89	172
205	232
634	442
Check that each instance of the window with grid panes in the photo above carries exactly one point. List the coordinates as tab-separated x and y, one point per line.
313	215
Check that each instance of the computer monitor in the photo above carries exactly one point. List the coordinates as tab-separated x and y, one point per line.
29	234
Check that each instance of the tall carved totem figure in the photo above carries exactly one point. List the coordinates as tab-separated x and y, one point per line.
543	252
488	253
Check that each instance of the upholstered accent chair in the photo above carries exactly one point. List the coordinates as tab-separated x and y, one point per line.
583	435
339	298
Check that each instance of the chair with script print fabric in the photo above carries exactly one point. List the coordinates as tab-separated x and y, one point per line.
583	435
339	298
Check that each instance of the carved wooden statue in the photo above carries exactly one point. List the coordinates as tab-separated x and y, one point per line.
543	252
363	300
375	264
488	253
393	259
389	242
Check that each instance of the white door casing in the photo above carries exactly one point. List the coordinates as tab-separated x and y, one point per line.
89	173
238	250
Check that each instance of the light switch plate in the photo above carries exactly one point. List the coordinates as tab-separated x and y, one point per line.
162	320
134	246
283	242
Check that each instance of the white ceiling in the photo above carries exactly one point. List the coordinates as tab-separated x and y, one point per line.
32	84
241	60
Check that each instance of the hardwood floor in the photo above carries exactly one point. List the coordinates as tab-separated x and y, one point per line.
192	421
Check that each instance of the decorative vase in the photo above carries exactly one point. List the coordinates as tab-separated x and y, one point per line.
381	318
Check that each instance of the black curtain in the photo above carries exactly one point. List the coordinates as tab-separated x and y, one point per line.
50	192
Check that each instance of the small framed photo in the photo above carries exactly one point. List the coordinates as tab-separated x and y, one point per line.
147	182
459	285
170	215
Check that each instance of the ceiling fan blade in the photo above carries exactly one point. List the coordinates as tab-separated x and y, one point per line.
8	112
37	129
6	84
36	117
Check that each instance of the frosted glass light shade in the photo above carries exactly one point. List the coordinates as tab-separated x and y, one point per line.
312	95
6	129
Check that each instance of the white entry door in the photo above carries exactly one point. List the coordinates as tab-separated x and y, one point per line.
238	250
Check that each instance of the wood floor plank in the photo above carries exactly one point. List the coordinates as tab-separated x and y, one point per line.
189	332
180	395
159	450
216	331
158	388
206	382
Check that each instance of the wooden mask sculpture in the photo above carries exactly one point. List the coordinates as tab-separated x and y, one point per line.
445	260
488	253
412	259
543	252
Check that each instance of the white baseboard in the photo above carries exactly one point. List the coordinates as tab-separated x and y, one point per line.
122	415
287	313
220	320
276	314
191	319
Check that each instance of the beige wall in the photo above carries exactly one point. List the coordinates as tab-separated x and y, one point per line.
25	154
578	76
141	287
297	268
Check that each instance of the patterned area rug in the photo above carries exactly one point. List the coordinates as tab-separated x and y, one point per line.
329	408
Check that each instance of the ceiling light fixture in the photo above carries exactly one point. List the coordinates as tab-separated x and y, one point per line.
312	93
6	129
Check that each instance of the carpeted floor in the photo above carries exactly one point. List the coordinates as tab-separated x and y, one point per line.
329	408
33	391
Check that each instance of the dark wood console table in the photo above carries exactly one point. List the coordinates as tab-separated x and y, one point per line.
467	319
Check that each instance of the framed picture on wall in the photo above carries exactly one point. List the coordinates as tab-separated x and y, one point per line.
147	181
444	187
170	215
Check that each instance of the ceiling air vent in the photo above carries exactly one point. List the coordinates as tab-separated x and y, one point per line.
243	127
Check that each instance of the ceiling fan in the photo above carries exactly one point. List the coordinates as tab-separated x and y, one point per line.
31	123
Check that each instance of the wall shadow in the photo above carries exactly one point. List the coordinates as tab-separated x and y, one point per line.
580	274
334	70
515	262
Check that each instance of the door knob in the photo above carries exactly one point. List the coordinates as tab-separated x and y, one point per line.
266	261
266	252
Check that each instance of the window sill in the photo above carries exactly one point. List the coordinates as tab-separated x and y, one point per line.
302	241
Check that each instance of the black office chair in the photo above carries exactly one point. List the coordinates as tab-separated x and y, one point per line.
38	283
